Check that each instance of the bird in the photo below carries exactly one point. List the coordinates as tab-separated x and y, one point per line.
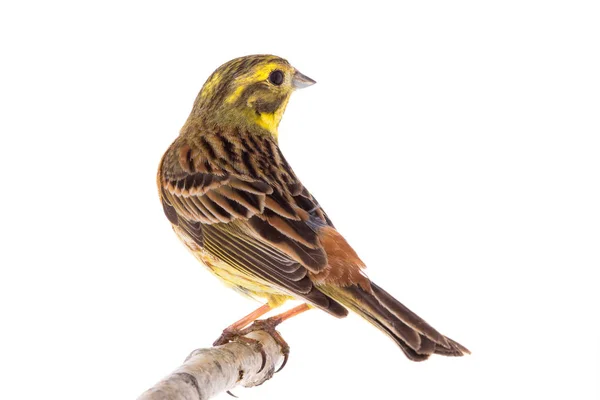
237	205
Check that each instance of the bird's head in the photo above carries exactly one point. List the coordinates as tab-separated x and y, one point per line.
250	92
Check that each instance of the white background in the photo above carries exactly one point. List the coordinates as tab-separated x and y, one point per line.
455	145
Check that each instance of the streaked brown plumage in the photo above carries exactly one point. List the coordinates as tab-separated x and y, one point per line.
236	203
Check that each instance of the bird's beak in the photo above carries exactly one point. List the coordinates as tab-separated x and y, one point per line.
300	80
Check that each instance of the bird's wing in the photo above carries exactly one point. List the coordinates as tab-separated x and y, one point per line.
261	224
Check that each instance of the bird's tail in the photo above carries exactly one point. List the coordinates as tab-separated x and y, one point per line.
417	339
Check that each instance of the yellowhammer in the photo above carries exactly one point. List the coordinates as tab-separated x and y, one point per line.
236	203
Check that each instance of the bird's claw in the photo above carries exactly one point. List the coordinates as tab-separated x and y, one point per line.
268	325
227	336
286	355
256	346
232	335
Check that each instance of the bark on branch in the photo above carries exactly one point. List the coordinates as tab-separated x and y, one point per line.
207	372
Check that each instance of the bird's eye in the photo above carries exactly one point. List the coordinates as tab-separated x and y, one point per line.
276	77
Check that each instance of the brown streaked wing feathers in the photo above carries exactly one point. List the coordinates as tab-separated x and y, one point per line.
247	253
253	222
313	259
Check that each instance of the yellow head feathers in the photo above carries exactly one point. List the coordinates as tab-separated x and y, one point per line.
250	92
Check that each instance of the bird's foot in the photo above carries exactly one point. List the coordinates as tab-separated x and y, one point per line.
238	335
268	325
229	335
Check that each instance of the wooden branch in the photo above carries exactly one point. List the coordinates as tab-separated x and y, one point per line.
206	372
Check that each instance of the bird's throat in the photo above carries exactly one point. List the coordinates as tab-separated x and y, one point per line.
270	120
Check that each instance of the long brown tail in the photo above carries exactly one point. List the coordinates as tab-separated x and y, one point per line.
415	337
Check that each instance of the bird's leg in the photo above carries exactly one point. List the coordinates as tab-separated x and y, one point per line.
292	312
233	330
237	331
269	325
